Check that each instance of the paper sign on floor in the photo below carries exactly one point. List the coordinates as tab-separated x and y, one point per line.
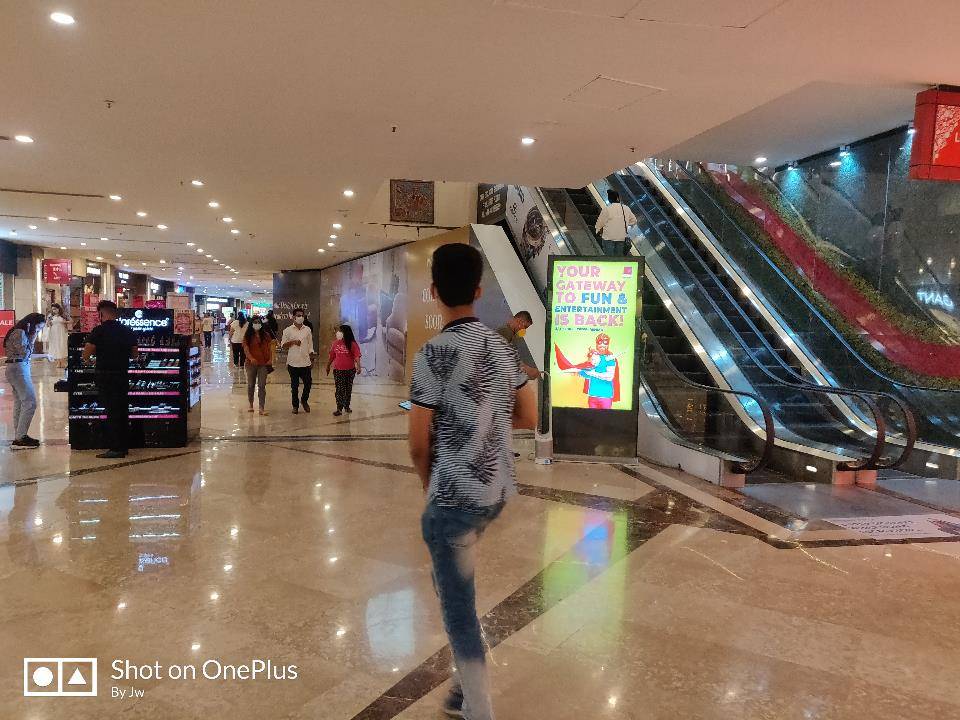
893	527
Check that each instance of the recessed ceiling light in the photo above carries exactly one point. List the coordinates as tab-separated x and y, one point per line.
51	218
836	163
119	255
348	193
191	277
197	183
141	213
760	160
99	257
337	226
163	262
227	219
63	247
180	268
32	227
235	231
144	264
208	255
23	138
318	250
200	250
213	204
527	141
116	198
333	237
126	264
105	239
83	244
62	18
190	244
161	226
330	244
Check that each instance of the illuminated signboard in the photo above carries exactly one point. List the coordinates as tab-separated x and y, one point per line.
123	276
936	299
147	320
593	332
935	153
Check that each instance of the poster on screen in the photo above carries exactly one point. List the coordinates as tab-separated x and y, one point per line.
894	527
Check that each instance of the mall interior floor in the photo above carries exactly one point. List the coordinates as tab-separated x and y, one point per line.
606	591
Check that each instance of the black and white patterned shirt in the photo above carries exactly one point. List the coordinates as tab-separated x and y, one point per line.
469	376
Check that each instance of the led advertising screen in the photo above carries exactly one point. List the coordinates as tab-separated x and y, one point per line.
593	333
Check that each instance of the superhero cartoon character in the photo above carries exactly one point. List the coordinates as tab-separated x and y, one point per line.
600	373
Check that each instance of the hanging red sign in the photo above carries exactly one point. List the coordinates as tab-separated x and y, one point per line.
7	321
935	154
57	272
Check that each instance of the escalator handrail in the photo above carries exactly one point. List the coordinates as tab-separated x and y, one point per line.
560	224
769	429
868	463
800	382
803	298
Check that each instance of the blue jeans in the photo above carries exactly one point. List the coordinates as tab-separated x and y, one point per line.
24	397
451	536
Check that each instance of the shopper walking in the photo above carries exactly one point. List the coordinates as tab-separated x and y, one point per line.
206	326
271	322
298	342
57	329
18	348
113	345
467	393
237	330
613	226
345	360
257	349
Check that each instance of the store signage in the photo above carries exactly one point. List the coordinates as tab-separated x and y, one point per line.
931	298
123	276
7	321
93	270
593	329
57	272
216	300
935	154
154	287
147	320
491	203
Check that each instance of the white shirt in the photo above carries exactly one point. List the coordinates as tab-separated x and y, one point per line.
298	355
207	324
237	331
611	223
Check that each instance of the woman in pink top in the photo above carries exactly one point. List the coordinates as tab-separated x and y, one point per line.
345	359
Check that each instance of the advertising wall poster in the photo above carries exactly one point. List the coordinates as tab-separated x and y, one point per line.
57	272
535	244
183	321
178	301
89	319
593	333
7	321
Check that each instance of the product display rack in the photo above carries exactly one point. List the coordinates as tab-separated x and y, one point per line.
164	389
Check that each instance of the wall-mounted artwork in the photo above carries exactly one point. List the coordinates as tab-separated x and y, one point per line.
411	201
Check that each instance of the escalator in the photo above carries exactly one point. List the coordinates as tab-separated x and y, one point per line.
813	437
819	350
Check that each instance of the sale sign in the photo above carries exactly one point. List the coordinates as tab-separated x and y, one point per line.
57	272
593	332
935	154
7	321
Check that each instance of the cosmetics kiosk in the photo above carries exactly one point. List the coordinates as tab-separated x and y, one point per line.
164	386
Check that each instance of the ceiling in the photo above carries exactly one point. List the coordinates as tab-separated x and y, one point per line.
279	106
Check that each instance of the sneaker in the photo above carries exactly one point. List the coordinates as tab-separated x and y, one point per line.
453	705
112	454
22	444
306	406
337	413
33	442
296	410
348	410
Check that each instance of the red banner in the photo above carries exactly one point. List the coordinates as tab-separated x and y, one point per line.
935	154
7	321
89	319
57	272
155	304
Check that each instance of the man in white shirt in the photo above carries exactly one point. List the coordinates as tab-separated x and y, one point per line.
297	340
613	224
206	325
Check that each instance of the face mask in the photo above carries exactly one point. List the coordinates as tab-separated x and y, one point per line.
298	320
257	326
339	335
521	332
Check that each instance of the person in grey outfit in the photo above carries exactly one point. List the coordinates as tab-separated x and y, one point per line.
18	349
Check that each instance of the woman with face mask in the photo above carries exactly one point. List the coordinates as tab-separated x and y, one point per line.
57	329
345	360
257	350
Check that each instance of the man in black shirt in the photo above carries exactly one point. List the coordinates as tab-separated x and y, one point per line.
114	345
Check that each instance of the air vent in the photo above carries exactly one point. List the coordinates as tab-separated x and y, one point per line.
51	192
612	94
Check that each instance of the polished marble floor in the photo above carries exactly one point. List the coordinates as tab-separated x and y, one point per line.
607	592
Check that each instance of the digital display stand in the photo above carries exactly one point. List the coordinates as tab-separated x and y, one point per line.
164	386
593	340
